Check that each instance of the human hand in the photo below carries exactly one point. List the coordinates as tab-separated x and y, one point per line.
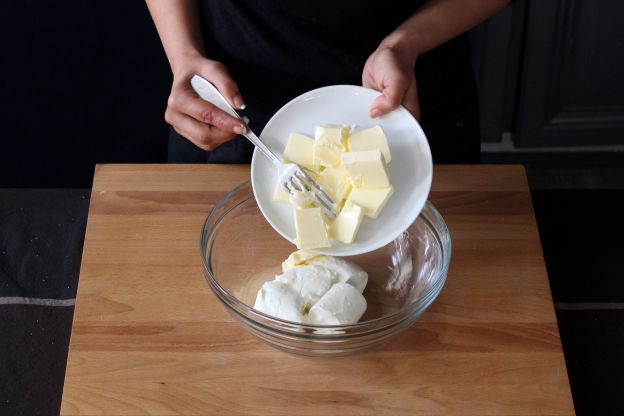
392	73
196	119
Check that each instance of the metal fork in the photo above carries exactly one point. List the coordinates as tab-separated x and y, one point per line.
291	176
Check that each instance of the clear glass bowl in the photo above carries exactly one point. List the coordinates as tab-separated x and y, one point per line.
240	251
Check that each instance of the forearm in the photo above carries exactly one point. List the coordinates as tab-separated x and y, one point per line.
438	21
179	28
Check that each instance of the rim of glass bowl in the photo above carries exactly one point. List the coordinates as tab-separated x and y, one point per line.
246	312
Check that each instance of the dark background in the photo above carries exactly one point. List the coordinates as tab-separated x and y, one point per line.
82	82
86	82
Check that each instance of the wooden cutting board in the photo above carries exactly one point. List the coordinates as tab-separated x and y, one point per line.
149	337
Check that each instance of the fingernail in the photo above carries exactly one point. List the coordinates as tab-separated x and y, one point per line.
239	129
239	103
374	113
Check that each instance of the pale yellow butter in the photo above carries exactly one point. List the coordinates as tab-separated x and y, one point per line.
330	140
372	201
280	194
366	169
298	199
347	223
302	199
300	150
369	139
298	258
310	228
312	173
335	182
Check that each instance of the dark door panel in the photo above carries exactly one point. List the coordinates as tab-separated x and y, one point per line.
571	90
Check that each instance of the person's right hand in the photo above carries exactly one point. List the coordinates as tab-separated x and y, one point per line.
196	119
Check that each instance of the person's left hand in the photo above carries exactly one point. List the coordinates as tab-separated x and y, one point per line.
391	73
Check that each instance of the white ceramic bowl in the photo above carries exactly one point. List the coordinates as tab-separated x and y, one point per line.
410	170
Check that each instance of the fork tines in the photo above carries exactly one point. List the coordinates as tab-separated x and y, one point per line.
300	181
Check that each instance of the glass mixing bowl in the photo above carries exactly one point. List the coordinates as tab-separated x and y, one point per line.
240	251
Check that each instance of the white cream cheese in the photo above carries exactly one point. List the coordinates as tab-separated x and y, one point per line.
345	271
310	282
315	289
342	304
277	299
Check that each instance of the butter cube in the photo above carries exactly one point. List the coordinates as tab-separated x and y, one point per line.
298	258
372	201
310	228
280	194
330	141
300	150
312	173
302	199
335	182
369	139
347	223
366	169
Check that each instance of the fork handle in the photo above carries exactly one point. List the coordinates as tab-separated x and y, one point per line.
206	90
250	135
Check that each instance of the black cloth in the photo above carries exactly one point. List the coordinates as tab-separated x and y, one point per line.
41	238
278	49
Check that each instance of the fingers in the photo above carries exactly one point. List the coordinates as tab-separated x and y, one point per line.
203	135
392	93
189	103
388	102
218	74
201	122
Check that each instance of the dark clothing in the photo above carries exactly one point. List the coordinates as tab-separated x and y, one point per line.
278	49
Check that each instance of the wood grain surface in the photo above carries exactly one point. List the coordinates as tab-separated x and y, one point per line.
149	337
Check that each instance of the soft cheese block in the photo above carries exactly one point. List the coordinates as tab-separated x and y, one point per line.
344	271
300	150
315	289
277	299
370	139
310	282
372	201
330	141
347	223
335	182
310	229
342	304
366	169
